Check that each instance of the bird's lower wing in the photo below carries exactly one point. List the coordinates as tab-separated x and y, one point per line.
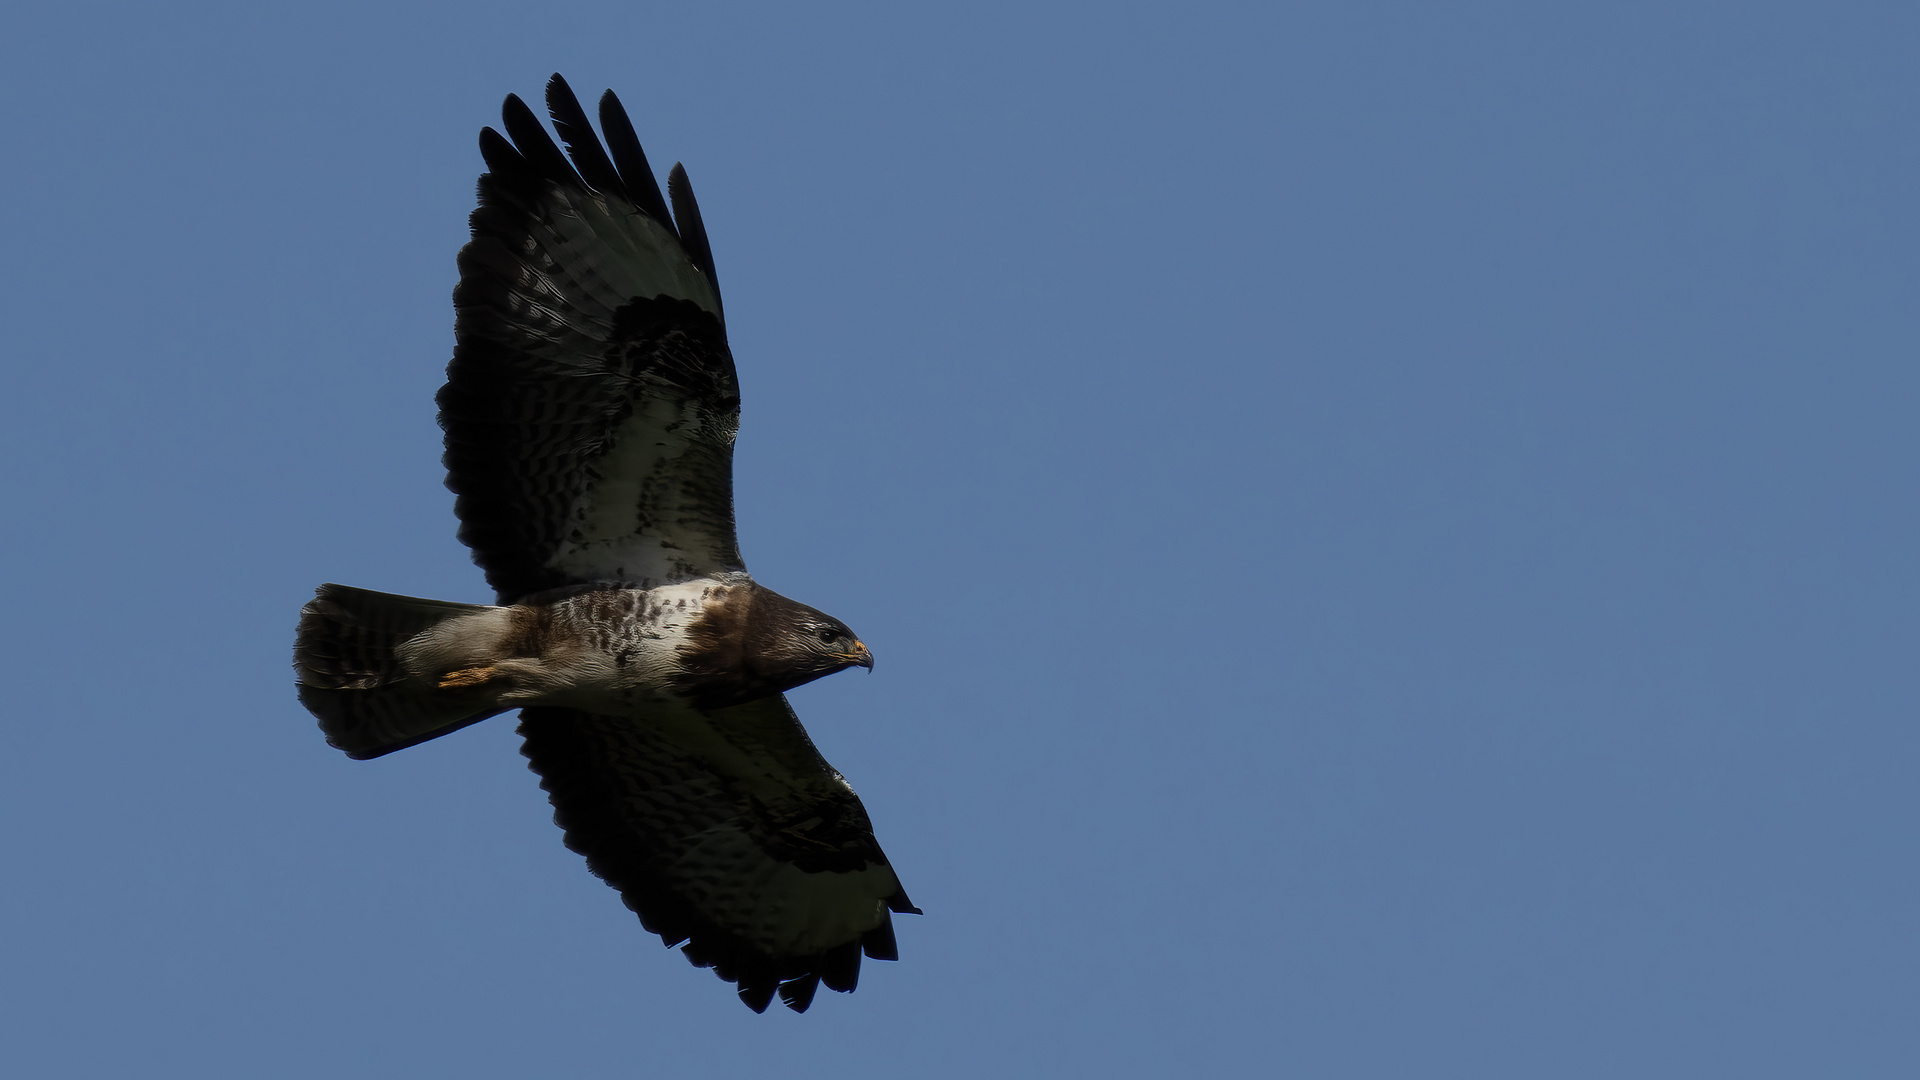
729	835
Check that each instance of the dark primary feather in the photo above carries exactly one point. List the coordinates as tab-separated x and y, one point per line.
582	144
632	160
542	157
693	231
591	402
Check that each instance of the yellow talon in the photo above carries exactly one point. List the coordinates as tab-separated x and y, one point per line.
467	677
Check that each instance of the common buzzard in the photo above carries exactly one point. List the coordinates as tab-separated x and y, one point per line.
590	412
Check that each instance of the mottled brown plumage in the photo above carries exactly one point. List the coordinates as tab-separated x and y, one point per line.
590	411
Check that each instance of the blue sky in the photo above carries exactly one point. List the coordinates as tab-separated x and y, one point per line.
1387	528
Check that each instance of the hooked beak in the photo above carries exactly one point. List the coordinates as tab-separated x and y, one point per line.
860	655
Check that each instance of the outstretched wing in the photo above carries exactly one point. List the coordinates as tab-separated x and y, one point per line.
591	404
728	834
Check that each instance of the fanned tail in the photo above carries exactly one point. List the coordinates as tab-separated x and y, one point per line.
346	653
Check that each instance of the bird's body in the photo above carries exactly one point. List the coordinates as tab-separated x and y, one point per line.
590	413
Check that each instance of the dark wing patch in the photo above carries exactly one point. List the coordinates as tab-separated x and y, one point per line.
729	835
591	404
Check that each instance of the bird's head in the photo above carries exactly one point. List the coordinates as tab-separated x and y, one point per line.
789	643
834	643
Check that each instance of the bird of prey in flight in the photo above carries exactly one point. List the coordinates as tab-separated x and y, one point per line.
590	412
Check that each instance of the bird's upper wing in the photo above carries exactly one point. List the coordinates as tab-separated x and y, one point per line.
591	404
725	831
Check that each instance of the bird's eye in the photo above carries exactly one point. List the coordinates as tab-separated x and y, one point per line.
828	633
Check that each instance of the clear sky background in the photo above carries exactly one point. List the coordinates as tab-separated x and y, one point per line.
1388	531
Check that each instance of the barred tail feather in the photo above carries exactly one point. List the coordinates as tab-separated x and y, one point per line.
346	653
